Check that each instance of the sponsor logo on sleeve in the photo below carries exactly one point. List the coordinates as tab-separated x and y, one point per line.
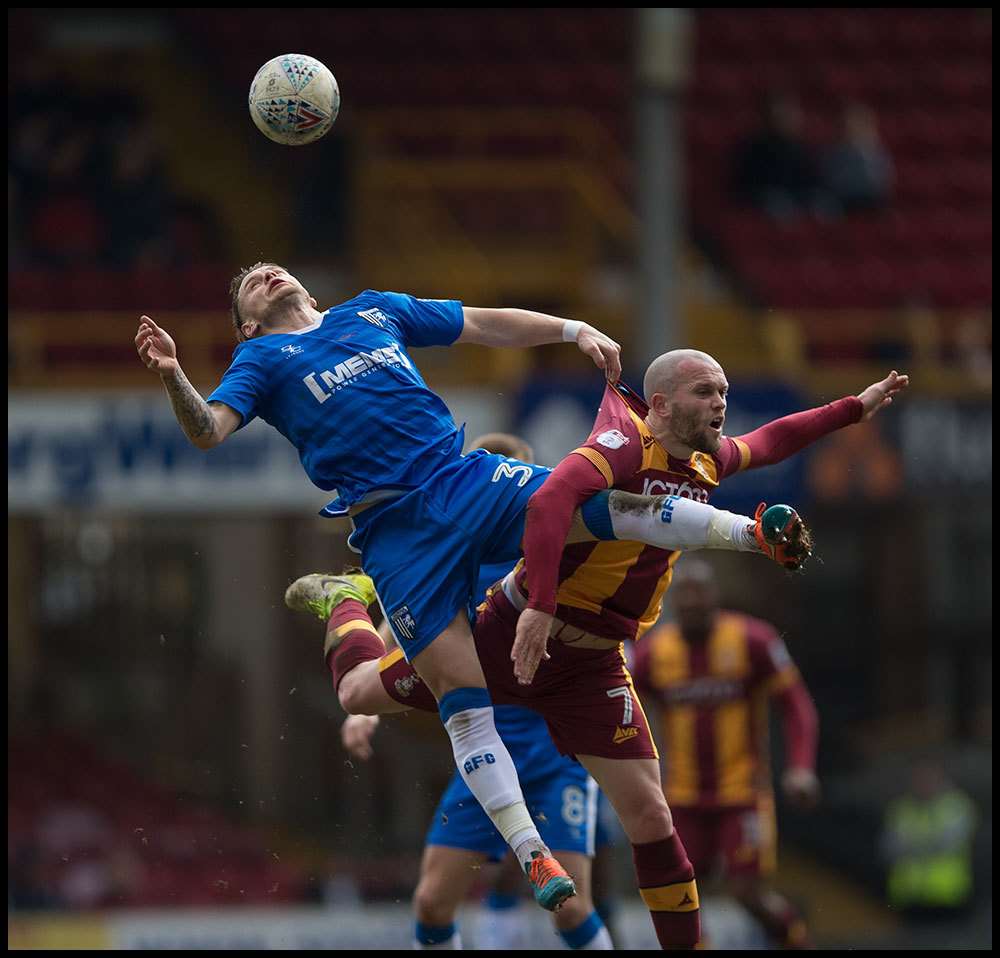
613	439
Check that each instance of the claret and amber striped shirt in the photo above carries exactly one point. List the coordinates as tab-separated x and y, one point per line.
615	589
713	697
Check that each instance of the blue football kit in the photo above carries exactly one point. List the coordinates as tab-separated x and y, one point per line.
347	395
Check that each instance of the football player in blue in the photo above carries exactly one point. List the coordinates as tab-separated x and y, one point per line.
558	791
341	387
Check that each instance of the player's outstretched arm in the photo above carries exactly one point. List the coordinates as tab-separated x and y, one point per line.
776	441
524	327
206	425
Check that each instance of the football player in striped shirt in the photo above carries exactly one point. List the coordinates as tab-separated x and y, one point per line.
592	594
590	597
711	677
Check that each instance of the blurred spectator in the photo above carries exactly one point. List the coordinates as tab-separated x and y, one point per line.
65	226
136	194
927	842
858	171
96	193
774	169
875	474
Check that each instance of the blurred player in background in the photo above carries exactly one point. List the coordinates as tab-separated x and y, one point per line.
560	794
340	386
711	677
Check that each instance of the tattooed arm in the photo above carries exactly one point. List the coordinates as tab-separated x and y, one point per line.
206	425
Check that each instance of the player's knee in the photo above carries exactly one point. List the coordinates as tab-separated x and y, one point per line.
429	906
354	695
649	820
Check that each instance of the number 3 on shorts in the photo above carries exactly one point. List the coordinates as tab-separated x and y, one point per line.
517	471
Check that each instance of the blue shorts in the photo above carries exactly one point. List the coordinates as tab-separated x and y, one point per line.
606	822
424	549
560	795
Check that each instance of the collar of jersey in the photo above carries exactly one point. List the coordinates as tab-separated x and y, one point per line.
308	329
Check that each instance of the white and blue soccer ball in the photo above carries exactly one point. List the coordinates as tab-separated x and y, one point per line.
294	99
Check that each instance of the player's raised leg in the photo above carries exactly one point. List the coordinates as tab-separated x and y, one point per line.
354	649
675	522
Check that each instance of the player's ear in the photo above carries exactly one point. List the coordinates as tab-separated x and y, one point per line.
313	303
249	329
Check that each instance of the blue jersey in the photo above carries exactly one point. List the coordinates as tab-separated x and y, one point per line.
347	395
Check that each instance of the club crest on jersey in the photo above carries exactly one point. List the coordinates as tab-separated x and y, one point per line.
374	316
403	622
612	439
291	349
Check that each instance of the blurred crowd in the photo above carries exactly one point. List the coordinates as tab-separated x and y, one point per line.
777	171
88	184
85	832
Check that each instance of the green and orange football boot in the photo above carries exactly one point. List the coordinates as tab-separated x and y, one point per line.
549	881
782	535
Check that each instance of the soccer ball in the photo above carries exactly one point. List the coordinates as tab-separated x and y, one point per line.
294	99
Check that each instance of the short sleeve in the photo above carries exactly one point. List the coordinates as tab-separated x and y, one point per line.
243	385
425	322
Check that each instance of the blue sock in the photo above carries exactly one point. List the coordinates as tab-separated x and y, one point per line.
433	934
498	901
584	933
597	516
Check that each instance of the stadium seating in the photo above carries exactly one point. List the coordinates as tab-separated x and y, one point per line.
927	74
103	837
